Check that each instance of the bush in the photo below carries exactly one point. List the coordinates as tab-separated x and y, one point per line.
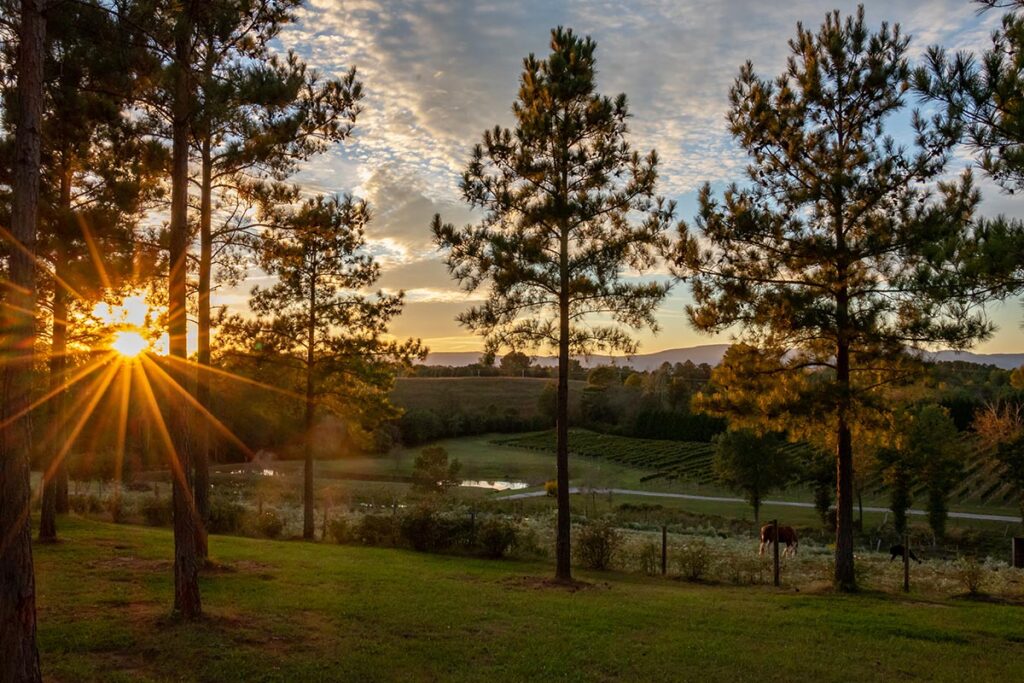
551	488
86	504
427	530
971	574
340	530
269	524
496	537
648	558
225	517
596	544
376	530
693	560
157	512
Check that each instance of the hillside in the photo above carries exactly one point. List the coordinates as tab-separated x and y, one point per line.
291	611
710	354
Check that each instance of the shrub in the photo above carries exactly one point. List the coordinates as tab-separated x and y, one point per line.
596	544
551	488
971	574
427	530
496	536
157	512
693	560
528	543
421	529
340	530
225	517
376	530
269	524
86	504
648	557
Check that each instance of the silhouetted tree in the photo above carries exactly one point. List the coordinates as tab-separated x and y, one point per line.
258	116
315	321
558	192
19	656
833	260
433	472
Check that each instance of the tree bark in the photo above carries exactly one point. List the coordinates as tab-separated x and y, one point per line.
19	655
307	480
202	465
186	568
845	577
563	547
58	362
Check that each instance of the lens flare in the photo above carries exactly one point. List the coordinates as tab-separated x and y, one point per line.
129	344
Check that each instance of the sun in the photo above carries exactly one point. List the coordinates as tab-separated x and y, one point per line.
129	344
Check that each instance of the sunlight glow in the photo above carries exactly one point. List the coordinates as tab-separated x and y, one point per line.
129	344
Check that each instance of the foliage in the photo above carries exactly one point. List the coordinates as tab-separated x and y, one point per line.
694	559
226	516
269	524
157	511
1001	428
837	255
433	473
971	574
340	530
752	464
551	488
376	530
496	536
567	208
597	543
935	445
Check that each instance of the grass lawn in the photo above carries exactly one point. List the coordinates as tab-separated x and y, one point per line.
292	611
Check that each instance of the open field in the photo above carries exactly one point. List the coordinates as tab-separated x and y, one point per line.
293	611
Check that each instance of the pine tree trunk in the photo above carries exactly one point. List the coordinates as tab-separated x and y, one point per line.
186	568
307	481
202	465
845	577
58	349
19	655
563	547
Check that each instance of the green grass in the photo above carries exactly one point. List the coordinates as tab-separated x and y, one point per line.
291	611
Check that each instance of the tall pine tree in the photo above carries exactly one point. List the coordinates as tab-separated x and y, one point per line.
836	256
559	193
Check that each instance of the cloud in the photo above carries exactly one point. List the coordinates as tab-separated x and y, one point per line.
437	73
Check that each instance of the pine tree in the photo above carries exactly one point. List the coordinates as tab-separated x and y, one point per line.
836	257
559	192
315	322
19	655
257	117
98	174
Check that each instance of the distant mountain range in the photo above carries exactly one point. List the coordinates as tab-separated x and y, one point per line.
708	353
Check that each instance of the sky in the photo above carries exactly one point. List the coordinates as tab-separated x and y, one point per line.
437	73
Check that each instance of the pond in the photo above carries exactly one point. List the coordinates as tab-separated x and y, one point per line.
495	485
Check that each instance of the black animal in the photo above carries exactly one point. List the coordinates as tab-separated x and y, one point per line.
897	551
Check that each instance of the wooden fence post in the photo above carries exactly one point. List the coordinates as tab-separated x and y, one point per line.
775	552
664	549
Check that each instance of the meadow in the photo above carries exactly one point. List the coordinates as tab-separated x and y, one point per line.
282	611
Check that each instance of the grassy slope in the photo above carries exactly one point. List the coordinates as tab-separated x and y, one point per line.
293	611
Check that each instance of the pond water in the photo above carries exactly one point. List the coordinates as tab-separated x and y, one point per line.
263	472
495	485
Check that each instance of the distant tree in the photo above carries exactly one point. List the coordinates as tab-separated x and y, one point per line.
834	259
1017	378
935	446
547	403
515	363
19	655
751	464
1001	428
315	321
432	472
558	193
898	469
603	376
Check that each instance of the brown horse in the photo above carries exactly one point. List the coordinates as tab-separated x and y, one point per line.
787	535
